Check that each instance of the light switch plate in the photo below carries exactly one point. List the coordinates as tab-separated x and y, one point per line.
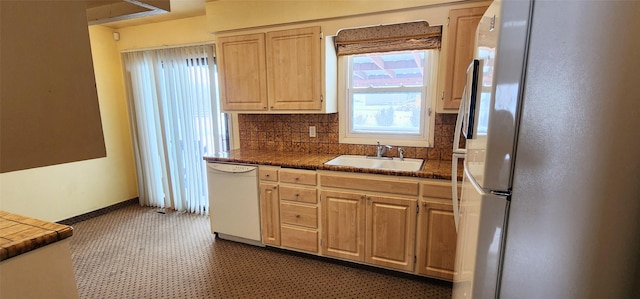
312	131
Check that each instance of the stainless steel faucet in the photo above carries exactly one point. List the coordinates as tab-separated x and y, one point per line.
401	153
382	149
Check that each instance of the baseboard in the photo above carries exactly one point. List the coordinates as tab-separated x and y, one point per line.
99	212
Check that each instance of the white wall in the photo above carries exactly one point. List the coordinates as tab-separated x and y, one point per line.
58	192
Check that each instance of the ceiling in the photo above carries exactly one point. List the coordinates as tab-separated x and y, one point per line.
123	13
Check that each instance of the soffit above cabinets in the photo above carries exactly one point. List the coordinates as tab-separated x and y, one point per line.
105	11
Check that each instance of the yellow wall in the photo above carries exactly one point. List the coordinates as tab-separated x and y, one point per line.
226	15
62	191
171	33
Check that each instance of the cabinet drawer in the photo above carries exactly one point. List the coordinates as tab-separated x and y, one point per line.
295	214
298	177
300	238
370	184
299	194
269	174
438	190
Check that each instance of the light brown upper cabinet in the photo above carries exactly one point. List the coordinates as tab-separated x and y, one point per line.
461	38
285	71
242	68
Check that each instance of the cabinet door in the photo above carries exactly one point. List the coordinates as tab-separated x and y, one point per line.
293	67
460	46
437	239
270	214
243	76
390	233
343	222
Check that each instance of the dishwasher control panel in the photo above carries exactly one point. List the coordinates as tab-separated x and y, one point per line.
231	167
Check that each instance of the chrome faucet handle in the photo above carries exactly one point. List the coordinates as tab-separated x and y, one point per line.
382	149
401	153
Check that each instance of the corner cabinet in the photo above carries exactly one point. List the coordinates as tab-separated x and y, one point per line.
460	47
285	71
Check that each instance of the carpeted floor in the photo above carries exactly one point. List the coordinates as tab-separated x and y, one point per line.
139	252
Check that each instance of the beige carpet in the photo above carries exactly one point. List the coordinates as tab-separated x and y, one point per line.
137	252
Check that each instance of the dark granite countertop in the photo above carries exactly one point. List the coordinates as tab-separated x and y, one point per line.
21	234
432	169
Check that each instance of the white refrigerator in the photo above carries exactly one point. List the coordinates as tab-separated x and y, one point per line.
550	203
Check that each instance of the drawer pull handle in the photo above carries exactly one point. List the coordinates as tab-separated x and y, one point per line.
267	175
297	178
297	216
297	194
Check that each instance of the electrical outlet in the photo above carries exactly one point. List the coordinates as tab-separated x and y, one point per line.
312	131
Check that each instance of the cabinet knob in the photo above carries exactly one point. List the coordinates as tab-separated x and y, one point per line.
297	216
424	204
271	107
267	175
362	197
264	108
275	187
297	194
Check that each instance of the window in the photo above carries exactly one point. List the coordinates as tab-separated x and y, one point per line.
388	97
386	83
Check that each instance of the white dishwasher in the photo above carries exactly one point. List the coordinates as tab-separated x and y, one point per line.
234	207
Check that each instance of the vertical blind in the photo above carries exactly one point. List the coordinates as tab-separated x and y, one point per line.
175	121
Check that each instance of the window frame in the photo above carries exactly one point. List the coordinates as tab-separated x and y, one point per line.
425	138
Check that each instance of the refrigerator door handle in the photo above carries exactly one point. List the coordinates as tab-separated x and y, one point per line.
458	153
458	130
471	98
454	189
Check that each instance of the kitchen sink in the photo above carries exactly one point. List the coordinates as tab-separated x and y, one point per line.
377	163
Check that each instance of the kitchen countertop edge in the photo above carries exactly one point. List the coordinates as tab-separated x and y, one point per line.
21	234
431	169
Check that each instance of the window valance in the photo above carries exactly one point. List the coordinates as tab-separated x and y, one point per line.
386	38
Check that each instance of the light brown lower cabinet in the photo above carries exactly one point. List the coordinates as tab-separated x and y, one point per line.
343	225
378	230
270	214
404	224
300	238
391	231
299	226
437	239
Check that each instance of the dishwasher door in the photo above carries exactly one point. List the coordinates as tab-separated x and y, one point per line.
233	202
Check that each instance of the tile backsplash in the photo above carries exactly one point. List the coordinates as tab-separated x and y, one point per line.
290	132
